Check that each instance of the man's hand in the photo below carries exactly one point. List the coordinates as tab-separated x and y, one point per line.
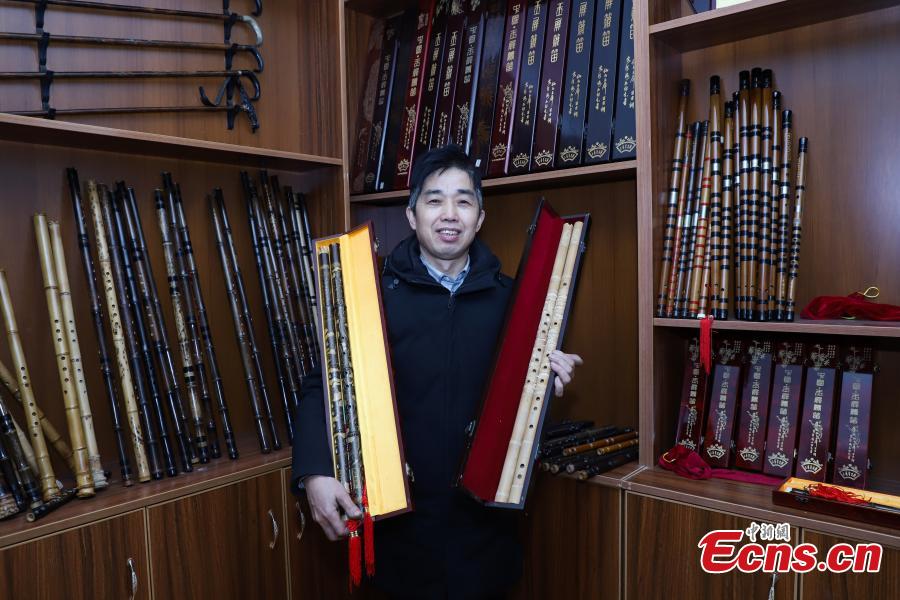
326	496
564	366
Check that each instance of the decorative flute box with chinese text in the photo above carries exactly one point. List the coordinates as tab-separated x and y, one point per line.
860	505
505	439
364	427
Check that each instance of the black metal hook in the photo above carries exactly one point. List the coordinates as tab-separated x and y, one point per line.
253	50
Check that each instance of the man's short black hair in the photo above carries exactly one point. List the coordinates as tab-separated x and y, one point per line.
441	159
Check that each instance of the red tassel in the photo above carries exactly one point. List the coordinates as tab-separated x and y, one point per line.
368	536
832	493
355	554
706	343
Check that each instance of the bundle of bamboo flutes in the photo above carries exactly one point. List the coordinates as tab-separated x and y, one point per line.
590	452
731	238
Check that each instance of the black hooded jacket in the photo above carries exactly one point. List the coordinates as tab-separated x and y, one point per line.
442	348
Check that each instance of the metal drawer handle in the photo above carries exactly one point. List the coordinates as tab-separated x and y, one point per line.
275	530
772	589
302	519
134	579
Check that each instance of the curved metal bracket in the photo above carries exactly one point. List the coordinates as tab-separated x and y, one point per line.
253	50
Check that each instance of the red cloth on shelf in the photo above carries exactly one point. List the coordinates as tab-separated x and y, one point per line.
687	463
854	305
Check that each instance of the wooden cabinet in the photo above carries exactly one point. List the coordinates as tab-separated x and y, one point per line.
104	560
850	586
225	543
662	557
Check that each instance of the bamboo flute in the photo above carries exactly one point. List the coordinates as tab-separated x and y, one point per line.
50	432
181	278
12	494
109	379
622	437
190	274
125	207
754	195
538	349
27	450
784	198
796	230
687	225
725	262
128	357
300	214
775	202
47	478
70	338
9	506
709	288
680	219
698	208
764	196
544	376
21	473
597	455
242	331
304	274
184	345
678	166
332	368
351	418
118	249
83	478
746	194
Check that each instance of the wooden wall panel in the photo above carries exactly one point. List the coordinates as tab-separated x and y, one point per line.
662	557
80	564
35	181
298	111
850	586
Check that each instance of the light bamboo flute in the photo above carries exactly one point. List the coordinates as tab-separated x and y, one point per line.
127	226
83	479
240	315
754	196
46	477
796	229
141	414
279	329
190	266
50	432
678	167
723	292
544	375
351	418
784	203
190	319
775	201
20	472
745	195
698	208
132	299
109	380
764	197
709	288
333	370
538	350
680	217
70	337
187	363
686	225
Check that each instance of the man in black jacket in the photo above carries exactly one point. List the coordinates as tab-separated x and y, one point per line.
444	299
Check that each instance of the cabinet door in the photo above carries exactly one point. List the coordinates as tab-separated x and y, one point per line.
850	586
225	543
104	560
571	541
663	560
319	567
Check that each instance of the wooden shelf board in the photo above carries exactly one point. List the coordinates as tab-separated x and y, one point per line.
827	327
617	477
34	130
117	499
754	18
383	8
616	171
753	501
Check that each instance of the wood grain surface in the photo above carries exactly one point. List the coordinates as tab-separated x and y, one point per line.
849	586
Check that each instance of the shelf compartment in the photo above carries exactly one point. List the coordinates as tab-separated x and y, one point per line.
755	18
33	130
617	171
749	500
825	327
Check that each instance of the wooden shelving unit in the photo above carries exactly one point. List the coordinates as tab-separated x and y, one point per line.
884	329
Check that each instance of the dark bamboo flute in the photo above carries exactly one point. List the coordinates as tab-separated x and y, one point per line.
19	476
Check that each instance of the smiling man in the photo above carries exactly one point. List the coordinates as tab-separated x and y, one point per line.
444	299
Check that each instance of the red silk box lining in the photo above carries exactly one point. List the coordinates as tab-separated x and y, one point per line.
481	474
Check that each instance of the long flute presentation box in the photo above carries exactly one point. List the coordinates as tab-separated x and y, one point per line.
489	440
381	446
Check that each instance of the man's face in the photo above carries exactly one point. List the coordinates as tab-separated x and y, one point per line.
447	215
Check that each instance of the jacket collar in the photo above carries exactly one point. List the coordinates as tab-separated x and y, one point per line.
404	263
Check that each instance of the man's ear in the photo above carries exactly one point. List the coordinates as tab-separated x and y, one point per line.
480	221
411	217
